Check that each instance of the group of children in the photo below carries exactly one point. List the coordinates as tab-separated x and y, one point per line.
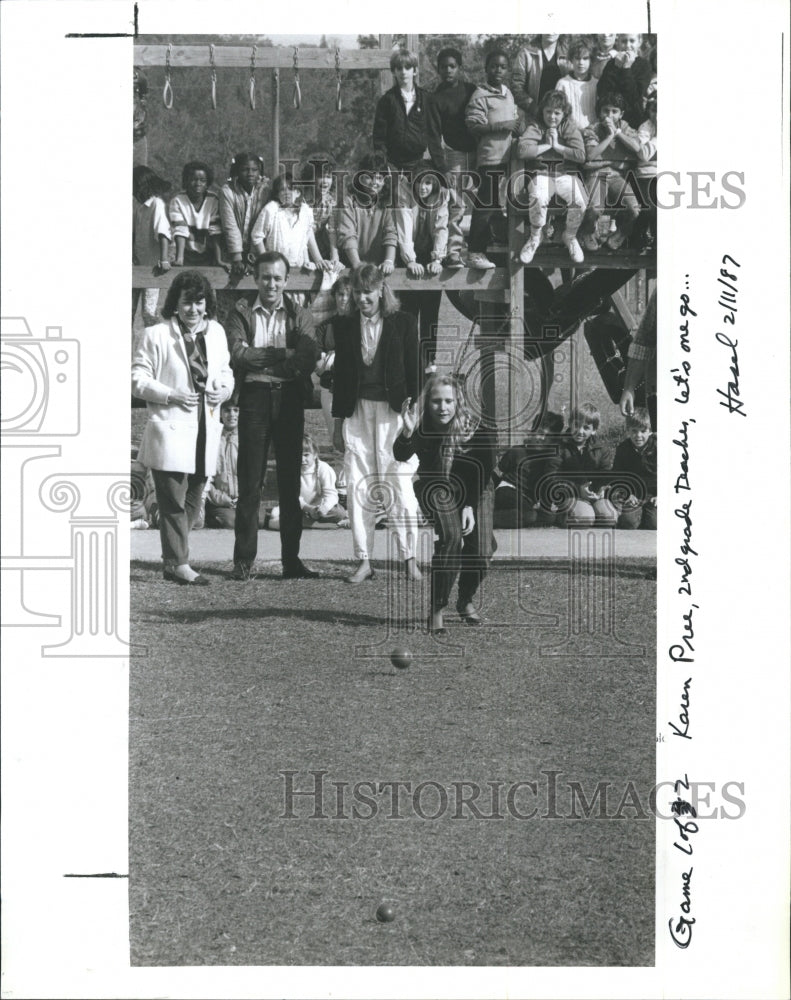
560	478
582	114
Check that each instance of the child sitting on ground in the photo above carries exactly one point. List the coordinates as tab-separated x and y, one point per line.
552	147
516	499
195	218
318	495
611	147
637	455
589	462
366	228
241	202
223	488
580	85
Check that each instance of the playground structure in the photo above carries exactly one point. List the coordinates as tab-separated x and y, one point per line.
496	300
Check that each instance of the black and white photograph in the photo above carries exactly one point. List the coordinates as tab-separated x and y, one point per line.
417	450
380	617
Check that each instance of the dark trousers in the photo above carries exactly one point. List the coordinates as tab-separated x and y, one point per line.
178	498
465	556
486	201
265	415
424	306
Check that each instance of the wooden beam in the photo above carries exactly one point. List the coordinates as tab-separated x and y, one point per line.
385	77
266	57
306	281
548	255
276	120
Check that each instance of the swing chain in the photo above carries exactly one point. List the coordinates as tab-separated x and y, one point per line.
167	90
338	99
297	98
252	76
213	77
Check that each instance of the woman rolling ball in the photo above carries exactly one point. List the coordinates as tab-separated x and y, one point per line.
455	490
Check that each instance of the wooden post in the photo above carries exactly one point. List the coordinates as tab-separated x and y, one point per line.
516	275
276	120
385	76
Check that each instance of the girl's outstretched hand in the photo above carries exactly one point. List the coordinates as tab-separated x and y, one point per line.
467	520
409	416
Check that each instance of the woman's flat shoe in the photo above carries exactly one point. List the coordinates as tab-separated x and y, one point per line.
198	581
357	578
473	619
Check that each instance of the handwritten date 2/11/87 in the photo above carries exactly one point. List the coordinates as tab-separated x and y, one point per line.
728	280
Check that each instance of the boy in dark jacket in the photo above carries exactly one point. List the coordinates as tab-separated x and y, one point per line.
401	125
587	463
637	455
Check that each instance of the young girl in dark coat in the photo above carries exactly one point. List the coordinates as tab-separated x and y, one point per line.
455	490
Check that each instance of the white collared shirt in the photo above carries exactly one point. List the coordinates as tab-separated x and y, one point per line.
409	97
371	331
269	331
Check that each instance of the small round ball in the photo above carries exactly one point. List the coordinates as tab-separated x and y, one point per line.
385	913
401	658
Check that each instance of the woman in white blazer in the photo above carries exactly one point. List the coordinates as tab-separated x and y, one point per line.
181	368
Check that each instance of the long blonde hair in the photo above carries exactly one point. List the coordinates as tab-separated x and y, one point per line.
463	424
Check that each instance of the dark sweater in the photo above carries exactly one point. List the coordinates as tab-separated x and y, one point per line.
631	83
471	468
402	138
594	458
399	346
640	463
446	121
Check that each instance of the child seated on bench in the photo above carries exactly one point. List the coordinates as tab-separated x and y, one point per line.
553	150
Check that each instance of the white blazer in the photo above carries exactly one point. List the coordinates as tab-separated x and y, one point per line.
159	366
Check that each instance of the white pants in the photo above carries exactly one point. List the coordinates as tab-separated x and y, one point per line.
569	189
375	479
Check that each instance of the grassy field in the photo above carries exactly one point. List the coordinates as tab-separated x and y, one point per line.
243	682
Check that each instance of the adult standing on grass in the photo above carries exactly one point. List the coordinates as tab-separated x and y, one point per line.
376	369
181	368
273	354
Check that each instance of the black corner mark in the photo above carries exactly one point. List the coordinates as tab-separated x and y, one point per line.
108	34
96	875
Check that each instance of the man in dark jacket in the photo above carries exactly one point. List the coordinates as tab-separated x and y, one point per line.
272	353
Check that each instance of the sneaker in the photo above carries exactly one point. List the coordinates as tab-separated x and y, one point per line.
575	250
453	261
529	249
344	523
590	243
616	240
480	262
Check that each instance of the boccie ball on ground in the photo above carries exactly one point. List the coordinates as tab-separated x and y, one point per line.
401	658
385	913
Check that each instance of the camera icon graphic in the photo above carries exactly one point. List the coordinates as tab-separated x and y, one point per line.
41	381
